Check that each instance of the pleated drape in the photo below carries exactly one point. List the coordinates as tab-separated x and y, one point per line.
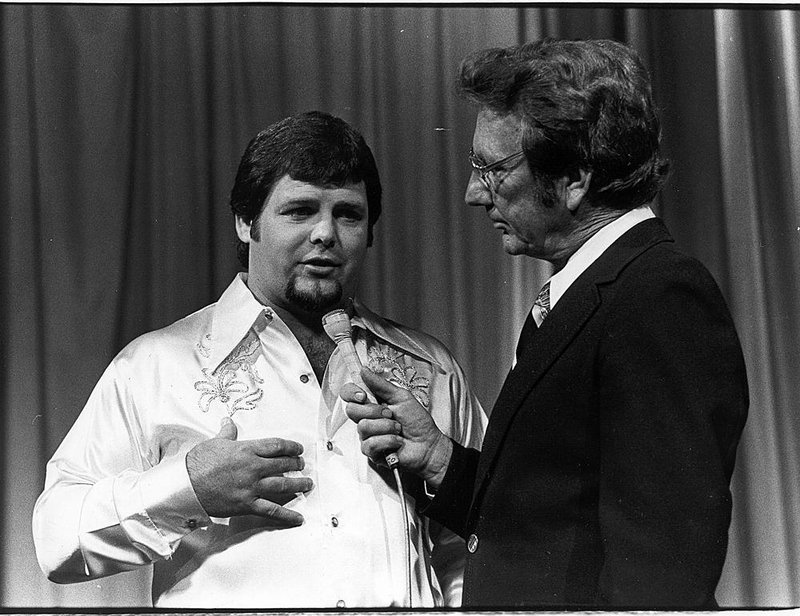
121	128
757	68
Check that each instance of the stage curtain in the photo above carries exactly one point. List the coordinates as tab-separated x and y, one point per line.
121	127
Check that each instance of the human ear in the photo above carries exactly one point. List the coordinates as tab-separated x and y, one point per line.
576	188
243	229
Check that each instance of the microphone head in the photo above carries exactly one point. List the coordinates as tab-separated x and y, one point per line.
337	325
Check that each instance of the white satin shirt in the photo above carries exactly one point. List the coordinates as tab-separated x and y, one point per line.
117	494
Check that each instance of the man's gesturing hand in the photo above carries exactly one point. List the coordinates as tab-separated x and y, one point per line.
246	478
398	423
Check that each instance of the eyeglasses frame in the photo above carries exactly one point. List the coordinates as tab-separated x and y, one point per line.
486	169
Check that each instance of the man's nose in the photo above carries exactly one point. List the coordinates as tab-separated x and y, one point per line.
324	232
477	193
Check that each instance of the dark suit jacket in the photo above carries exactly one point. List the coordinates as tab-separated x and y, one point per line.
605	469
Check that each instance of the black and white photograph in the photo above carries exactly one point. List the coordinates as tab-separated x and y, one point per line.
390	306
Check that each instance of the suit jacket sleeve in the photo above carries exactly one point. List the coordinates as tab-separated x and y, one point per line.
459	414
672	403
451	504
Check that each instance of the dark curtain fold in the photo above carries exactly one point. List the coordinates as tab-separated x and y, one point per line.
122	127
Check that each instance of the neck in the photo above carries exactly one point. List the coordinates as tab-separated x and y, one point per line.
300	320
308	331
295	317
584	229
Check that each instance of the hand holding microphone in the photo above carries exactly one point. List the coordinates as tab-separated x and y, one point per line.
421	448
337	326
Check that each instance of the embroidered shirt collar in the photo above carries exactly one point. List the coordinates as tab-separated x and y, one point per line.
366	319
596	245
237	311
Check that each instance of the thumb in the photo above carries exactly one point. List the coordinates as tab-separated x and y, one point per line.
381	388
350	392
228	429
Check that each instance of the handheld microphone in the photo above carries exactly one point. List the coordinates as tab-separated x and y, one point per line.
337	325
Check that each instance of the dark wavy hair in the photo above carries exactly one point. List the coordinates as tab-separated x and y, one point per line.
583	104
313	147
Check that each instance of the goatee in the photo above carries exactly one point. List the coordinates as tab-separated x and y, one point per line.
315	296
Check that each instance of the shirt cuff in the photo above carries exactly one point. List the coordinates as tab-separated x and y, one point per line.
158	507
451	504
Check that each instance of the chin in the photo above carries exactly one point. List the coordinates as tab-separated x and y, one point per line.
514	246
314	295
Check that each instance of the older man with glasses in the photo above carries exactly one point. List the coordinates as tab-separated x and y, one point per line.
603	479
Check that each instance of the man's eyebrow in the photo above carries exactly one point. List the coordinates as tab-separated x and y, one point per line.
351	203
313	202
301	201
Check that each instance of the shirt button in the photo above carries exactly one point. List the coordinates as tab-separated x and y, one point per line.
304	378
329	445
334	521
340	604
472	543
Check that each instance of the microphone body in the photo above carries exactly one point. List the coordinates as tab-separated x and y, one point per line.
337	325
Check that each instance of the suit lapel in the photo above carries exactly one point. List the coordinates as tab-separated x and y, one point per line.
547	344
558	331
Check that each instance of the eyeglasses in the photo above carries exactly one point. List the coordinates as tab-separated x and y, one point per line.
489	172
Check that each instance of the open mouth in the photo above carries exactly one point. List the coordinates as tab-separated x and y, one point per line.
320	266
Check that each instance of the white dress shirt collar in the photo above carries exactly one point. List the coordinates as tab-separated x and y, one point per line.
595	246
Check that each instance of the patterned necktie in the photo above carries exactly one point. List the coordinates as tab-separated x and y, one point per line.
541	307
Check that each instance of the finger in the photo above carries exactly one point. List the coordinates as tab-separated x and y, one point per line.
275	513
272	467
383	390
350	392
376	447
227	429
376	427
276	447
270	487
357	412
